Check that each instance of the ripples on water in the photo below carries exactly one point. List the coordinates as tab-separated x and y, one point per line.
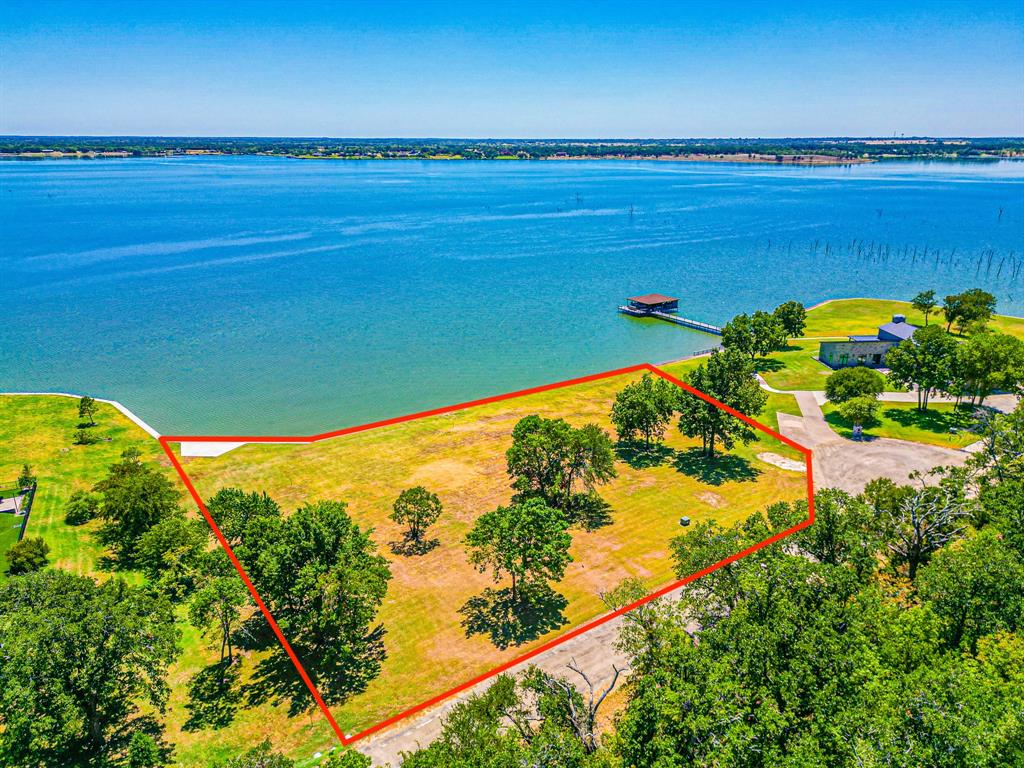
270	295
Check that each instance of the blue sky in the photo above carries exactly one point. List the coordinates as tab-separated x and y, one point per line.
494	69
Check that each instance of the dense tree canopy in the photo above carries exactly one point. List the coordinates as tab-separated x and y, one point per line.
171	553
758	334
793	317
971	307
857	381
136	497
322	577
82	507
986	363
233	510
29	554
82	666
924	362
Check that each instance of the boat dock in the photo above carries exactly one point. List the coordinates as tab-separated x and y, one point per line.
664	308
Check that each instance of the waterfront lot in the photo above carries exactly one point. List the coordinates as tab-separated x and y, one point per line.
460	456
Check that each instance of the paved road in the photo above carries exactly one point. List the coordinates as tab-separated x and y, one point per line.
593	651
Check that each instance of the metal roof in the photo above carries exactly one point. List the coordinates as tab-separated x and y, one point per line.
652	298
900	330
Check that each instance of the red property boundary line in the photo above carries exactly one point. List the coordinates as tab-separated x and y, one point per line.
166	440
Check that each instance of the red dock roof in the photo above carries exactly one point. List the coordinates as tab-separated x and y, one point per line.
652	298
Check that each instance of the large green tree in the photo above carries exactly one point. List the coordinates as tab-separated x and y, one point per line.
28	555
976	587
857	381
758	334
233	510
322	577
644	408
973	306
986	363
793	317
418	509
136	497
528	540
729	378
171	553
925	362
552	458
82	668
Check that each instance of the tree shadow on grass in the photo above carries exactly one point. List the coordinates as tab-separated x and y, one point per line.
337	673
715	470
589	511
639	455
537	611
213	696
408	547
768	365
939	422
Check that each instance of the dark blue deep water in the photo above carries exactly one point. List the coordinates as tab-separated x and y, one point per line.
267	295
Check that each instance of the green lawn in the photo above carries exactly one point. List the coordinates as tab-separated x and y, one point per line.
939	425
796	367
10	527
39	431
860	316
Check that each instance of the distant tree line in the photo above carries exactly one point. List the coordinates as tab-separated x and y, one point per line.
839	147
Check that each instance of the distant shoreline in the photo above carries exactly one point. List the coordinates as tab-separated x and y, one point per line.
739	157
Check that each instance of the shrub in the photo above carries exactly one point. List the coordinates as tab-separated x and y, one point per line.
27	555
81	508
848	383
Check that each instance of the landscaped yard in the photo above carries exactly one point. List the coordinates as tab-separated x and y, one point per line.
794	368
10	526
39	431
797	368
859	316
460	456
939	425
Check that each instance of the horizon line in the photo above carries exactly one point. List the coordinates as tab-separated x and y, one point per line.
842	137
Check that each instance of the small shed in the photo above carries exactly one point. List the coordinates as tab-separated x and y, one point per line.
653	302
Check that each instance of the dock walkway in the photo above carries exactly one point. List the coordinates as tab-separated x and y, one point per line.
696	325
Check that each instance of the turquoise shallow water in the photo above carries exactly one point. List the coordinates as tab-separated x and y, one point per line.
266	295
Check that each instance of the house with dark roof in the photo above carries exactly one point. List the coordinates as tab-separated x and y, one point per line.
866	350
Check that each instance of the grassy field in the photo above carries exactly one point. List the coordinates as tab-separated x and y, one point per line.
39	431
844	317
939	425
460	456
794	368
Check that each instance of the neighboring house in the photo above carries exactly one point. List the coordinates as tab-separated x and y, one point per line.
866	350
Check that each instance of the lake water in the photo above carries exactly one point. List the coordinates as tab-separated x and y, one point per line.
266	295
